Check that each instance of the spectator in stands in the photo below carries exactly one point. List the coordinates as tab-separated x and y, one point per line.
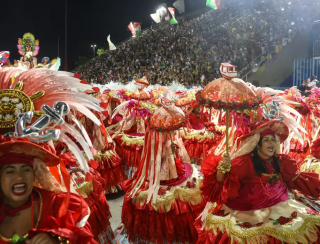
194	48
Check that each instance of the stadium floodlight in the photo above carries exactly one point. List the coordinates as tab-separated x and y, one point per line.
94	50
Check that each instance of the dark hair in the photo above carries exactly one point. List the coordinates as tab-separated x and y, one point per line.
258	162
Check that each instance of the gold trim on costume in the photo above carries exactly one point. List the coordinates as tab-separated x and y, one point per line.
304	234
296	177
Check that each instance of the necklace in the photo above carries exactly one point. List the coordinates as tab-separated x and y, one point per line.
32	211
16	238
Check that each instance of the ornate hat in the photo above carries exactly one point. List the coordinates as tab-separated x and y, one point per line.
142	82
24	147
248	142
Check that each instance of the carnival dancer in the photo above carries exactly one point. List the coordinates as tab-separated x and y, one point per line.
92	191
109	163
163	198
29	87
250	195
141	94
33	206
199	140
130	138
112	100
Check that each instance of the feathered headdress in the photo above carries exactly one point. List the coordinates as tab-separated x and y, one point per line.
27	91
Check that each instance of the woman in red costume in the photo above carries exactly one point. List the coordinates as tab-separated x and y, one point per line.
259	196
33	207
163	199
199	140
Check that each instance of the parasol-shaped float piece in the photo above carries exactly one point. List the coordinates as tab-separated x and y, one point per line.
167	119
142	83
230	94
140	95
183	102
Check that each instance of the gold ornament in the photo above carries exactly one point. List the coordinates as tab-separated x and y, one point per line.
14	102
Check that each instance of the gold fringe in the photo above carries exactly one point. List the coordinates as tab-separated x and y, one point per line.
307	233
132	141
194	198
107	154
85	189
196	135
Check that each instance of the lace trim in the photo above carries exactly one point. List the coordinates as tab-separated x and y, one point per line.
306	233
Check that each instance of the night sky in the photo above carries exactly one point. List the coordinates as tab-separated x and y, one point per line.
89	22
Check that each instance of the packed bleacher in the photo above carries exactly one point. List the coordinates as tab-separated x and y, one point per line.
191	51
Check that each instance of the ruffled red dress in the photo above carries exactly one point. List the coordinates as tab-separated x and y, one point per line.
247	208
93	194
198	141
78	232
129	145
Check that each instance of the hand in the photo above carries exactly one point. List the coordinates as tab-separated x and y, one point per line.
226	161
43	238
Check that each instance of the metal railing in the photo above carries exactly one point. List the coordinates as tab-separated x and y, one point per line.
316	48
259	64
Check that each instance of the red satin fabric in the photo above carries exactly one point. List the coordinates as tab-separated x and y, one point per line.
200	149
65	226
116	119
253	196
160	227
15	158
111	169
99	207
208	237
196	122
242	173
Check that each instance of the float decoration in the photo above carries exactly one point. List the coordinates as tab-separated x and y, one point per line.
230	93
28	45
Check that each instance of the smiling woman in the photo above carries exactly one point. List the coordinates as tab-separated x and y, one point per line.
33	207
259	195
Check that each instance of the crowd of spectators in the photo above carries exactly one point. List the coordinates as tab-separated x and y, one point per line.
191	51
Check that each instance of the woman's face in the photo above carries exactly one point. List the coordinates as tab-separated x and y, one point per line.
268	146
16	183
196	110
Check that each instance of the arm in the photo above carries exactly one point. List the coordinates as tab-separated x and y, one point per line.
307	183
219	187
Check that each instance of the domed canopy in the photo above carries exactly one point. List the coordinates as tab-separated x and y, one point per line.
167	119
230	94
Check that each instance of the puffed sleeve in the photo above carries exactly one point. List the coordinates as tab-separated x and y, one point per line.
220	192
73	226
305	182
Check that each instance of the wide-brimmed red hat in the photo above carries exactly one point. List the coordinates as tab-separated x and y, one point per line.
248	142
25	147
279	128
